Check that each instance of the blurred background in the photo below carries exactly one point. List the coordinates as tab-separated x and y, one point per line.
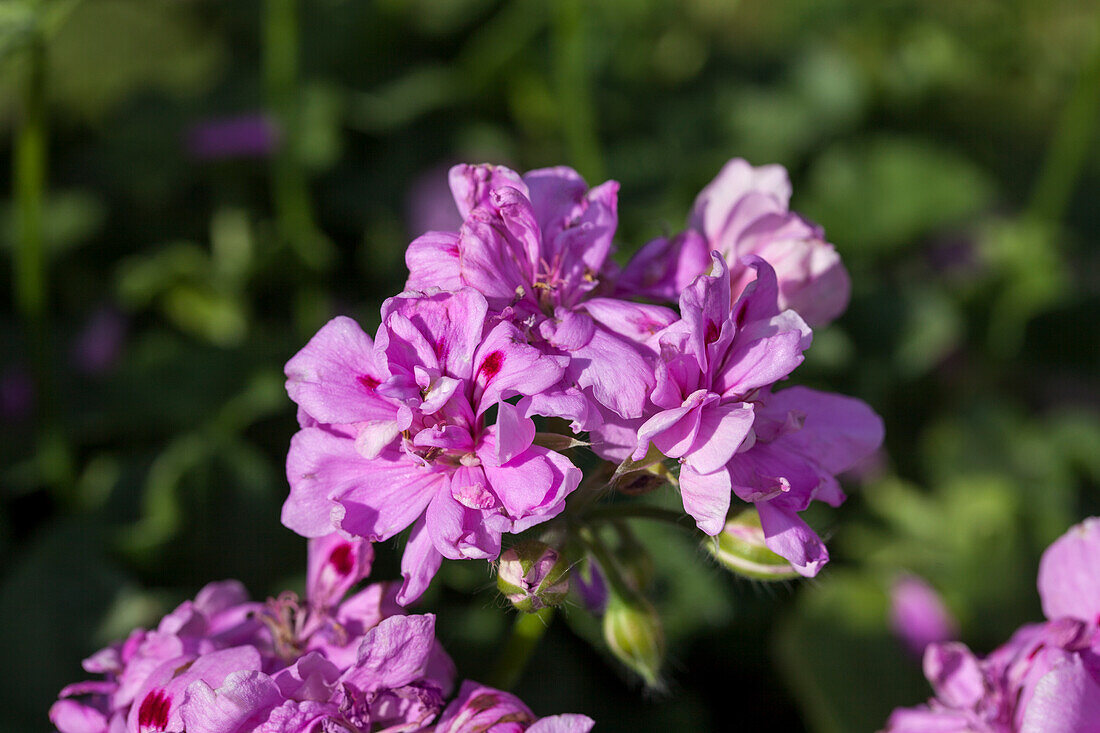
197	185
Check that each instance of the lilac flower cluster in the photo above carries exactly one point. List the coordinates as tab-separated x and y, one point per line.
1046	678
522	313
223	664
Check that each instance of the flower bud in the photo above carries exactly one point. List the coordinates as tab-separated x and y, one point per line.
740	548
632	630
591	586
533	575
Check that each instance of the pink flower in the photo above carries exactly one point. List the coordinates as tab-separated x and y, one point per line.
744	211
717	415
536	246
482	708
223	640
1045	679
918	616
394	433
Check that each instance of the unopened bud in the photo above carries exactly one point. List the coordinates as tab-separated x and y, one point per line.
632	630
533	575
740	548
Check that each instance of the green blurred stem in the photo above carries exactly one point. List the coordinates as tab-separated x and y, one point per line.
30	287
574	88
29	181
1069	146
614	512
526	634
290	194
610	566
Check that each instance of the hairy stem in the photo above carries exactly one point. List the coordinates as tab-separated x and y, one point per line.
526	633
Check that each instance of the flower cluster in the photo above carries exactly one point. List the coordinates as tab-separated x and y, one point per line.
521	313
223	664
1046	678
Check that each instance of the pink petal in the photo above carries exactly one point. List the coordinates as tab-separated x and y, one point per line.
706	497
433	261
393	653
723	428
451	324
636	321
334	376
788	536
616	372
1069	574
419	564
505	365
333	486
471	184
837	431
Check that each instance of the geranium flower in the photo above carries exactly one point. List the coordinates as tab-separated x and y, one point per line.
1046	678
394	433
745	211
536	246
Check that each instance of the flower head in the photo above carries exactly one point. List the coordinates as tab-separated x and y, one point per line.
482	708
536	246
394	433
744	211
1045	679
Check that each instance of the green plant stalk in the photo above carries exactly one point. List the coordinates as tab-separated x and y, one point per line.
574	88
527	631
29	163
1070	145
29	182
290	195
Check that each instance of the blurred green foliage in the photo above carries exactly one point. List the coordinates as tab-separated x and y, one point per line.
947	148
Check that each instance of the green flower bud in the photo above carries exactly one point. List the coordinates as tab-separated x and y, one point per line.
632	630
740	548
533	575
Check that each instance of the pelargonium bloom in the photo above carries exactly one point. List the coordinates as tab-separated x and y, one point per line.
918	616
717	415
394	433
392	685
220	633
536	246
1045	679
745	211
482	708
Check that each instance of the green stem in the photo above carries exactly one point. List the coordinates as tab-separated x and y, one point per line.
290	194
610	566
29	177
526	633
574	88
1069	146
637	511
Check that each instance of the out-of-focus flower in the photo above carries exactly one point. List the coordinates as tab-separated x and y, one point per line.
98	345
533	575
246	136
590	585
745	211
1045	679
394	433
16	394
481	708
918	616
221	647
1069	574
